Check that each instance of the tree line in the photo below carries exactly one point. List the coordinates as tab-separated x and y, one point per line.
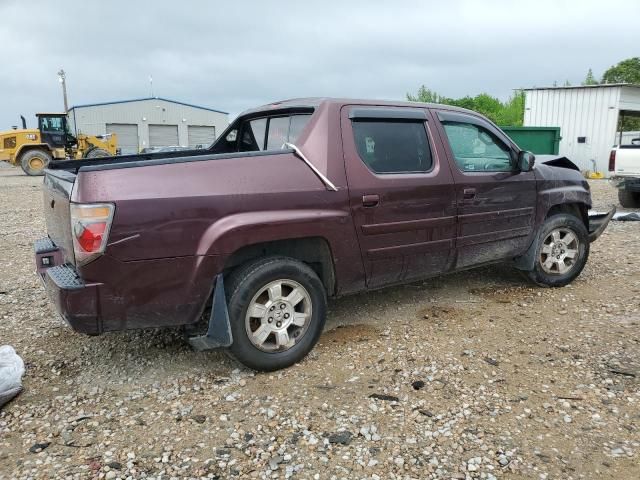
511	112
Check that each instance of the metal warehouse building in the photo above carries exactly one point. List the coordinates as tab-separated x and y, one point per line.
149	122
587	117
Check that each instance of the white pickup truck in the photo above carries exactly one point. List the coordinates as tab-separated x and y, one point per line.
624	165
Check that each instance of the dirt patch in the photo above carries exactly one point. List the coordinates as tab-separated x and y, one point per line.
343	334
438	312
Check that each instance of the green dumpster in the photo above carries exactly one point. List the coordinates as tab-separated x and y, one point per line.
540	140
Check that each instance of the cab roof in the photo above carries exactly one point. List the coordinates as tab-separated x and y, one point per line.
315	102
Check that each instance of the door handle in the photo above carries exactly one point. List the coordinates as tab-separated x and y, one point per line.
468	193
370	200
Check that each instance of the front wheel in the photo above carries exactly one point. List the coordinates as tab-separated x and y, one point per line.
277	309
561	252
96	153
33	162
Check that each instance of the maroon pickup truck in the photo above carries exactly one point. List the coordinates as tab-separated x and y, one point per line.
299	201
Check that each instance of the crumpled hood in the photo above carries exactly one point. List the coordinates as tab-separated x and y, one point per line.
557	161
563	177
556	168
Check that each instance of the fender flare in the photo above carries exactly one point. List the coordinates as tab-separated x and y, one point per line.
232	232
31	146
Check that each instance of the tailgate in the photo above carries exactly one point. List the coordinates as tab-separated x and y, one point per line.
57	194
628	160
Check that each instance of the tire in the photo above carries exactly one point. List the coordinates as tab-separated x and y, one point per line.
96	153
552	239
629	199
34	162
248	287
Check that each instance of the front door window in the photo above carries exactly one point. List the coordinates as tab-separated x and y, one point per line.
476	149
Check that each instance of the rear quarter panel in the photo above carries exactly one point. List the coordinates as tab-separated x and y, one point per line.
213	207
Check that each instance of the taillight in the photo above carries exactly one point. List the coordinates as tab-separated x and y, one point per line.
90	224
612	161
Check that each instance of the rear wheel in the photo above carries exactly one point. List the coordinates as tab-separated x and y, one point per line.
561	252
277	308
629	199
96	153
34	162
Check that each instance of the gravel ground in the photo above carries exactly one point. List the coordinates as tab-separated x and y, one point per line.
472	375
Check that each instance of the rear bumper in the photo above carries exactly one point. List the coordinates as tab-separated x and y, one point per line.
630	183
75	300
110	295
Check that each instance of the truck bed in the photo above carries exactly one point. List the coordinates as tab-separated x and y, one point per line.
161	158
75	165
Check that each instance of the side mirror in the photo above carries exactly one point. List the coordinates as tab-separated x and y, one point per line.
526	160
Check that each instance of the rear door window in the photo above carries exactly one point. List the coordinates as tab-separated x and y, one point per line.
393	146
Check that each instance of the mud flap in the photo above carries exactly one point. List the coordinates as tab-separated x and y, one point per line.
526	261
598	222
219	331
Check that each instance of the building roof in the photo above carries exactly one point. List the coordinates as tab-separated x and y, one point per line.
148	98
599	85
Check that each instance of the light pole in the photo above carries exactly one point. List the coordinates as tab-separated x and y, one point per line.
63	80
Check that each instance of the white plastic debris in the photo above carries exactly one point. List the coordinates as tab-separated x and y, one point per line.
11	371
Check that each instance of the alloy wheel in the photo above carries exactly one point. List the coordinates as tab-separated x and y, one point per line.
278	315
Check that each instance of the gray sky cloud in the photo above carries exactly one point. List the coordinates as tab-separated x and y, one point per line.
235	55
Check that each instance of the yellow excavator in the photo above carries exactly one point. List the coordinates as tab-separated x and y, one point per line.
33	149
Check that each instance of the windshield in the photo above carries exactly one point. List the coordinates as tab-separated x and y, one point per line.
54	124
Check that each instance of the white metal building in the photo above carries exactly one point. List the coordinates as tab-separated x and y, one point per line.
149	122
587	117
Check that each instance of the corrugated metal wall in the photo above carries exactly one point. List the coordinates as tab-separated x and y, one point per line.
588	112
93	119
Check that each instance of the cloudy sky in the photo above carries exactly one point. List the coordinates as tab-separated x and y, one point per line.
236	54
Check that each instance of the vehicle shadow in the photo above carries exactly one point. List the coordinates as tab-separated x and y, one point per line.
373	307
157	354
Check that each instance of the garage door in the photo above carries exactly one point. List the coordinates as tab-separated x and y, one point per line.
201	135
127	136
163	135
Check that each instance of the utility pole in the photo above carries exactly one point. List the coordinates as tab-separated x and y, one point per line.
63	80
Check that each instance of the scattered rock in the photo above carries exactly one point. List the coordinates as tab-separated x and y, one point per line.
343	438
38	447
491	361
417	385
386	398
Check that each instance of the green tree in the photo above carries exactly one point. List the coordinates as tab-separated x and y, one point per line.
590	79
425	95
627	71
509	113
